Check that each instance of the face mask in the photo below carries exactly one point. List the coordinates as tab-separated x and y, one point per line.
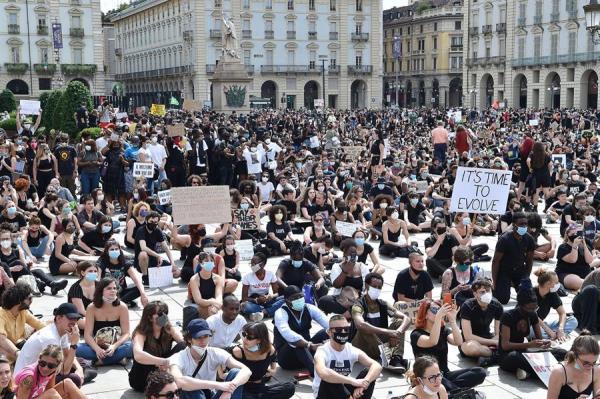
244	205
380	186
321	188
70	230
590	218
555	287
466	221
208	266
254	348
486	298
299	165
199	350
88	148
92	276
359	241
151	226
425	175
11	210
374	293
297	263
351	258
394	215
100	197
414	201
23	306
114	253
522	230
66	211
265	179
106	229
268	141
162	320
109	299
278	216
349	185
383	205
136	196
341	337
322	251
298	304
463	267
154	140
255	268
6	244
253	149
427	390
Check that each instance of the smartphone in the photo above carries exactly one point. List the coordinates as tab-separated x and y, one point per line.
447	298
580	234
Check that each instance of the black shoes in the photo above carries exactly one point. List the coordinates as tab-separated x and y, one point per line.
56	286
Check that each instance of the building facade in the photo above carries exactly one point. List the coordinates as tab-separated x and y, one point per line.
423	54
28	63
111	87
296	51
529	54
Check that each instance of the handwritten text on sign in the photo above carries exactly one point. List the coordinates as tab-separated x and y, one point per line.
481	190
201	205
248	219
143	169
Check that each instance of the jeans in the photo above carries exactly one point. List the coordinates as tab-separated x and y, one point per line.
570	325
270	307
124	351
439	152
464	378
437	267
89	181
290	358
40	250
506	280
200	394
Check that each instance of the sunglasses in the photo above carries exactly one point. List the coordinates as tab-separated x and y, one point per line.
434	310
341	329
433	378
248	336
43	363
170	394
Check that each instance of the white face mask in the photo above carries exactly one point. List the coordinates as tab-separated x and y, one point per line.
555	287
394	215
88	148
427	390
255	268
265	179
6	243
486	298
100	197
383	205
374	293
199	350
230	247
590	218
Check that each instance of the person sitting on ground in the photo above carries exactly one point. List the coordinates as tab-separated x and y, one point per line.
574	259
88	217
413	283
546	251
555	328
36	240
81	293
227	324
586	304
149	239
64	247
426	380
160	384
93	241
296	270
6	379
231	258
206	287
349	272
257	303
439	247
457	280
364	249
394	236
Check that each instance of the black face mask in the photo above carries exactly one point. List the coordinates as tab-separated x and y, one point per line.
342	209
151	226
202	232
341	337
415	271
441	231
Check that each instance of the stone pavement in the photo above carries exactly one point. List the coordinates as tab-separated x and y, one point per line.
113	381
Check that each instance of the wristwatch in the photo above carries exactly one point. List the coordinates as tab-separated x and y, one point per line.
73	346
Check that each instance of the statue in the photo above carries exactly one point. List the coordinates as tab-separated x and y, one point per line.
229	38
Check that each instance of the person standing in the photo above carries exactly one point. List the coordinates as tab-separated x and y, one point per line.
439	138
66	159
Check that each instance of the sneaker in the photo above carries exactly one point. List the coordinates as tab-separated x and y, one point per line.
132	305
256	316
89	374
397	364
486	362
522	374
561	292
56	286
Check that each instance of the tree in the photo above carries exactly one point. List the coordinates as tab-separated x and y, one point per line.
49	109
69	103
7	101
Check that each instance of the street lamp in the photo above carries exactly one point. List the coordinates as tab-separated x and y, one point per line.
592	20
552	90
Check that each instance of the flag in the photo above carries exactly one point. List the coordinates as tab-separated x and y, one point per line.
173	101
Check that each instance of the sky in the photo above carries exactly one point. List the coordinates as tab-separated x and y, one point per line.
112	4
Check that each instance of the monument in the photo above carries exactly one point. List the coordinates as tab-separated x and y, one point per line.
230	82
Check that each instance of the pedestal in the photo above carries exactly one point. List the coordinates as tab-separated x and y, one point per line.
230	86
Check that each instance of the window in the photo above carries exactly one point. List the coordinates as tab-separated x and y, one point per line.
311	5
246	4
503	15
571	5
45	83
358	5
420	28
434	64
269	25
521	48
333	27
312	26
291	57
290	4
269	57
77	56
555	7
43	55
313	59
332	5
217	3
435	26
290	26
358	28
75	21
537	46
522	9
269	4
488	52
538	8
15	55
457	41
434	43
42	20
358	58
245	24
247	59
502	47
13	19
554	45
457	25
333	58
572	42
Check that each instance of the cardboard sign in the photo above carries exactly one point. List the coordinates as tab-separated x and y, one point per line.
121	115
201	205
160	276
542	363
139	111
248	219
534	122
408	308
245	248
345	229
560	158
421	186
191	105
143	169
158	109
314	142
176	130
481	191
319	102
29	107
164	197
353	151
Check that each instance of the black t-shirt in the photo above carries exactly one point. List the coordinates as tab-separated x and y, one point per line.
95	239
367	249
280	230
295	276
569	210
445	249
326	210
65	156
153	239
575	187
76	292
514	251
481	318
414	212
118	271
308	255
551	300
413	289
16	224
438	351
580	267
519	324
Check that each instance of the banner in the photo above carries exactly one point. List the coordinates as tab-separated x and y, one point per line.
143	169
201	205
158	109
29	107
397	47
480	191
248	219
176	130
319	102
57	39
121	115
421	186
542	363
534	122
160	276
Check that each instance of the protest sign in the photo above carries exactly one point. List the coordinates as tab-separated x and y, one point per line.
132	127
176	130
408	308
542	363
560	158
353	151
345	229
121	115
314	142
160	276
139	111
19	166
29	107
143	169
248	219
158	109
534	122
421	186
245	248
201	205
319	102
191	105
164	197
481	191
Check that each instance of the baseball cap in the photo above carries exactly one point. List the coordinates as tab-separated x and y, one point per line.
69	310
198	328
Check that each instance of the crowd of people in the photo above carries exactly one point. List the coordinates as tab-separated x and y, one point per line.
73	207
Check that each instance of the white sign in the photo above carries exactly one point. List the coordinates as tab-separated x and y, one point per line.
542	363
421	186
314	142
245	248
560	158
344	228
160	276
534	122
29	107
20	166
143	169
480	191
319	102
164	197
122	115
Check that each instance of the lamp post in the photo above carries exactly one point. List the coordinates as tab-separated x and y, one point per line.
552	90
592	20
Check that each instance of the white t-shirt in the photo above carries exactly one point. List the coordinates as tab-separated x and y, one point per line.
340	362
336	270
215	357
37	342
265	190
274	149
101	142
157	153
256	286
254	160
223	334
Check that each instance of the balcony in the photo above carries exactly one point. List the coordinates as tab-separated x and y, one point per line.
13	29
485	61
474	30
155	73
276	69
360	69
359	37
521	22
119	52
314	68
188	35
44	69
556	59
75	2
333	69
246	34
269	34
16	68
501	27
333	36
77	32
210	69
42	30
537	19
486	29
291	34
215	33
456	49
78	69
554	17
573	15
312	35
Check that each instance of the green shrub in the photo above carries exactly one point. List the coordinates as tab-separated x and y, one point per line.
50	108
7	101
95	132
69	103
9	124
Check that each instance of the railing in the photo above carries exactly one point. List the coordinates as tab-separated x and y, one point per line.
359	37
154	73
573	15
521	22
210	69
42	30
249	69
16	68
119	52
360	69
312	35
456	49
246	34
284	69
188	35
333	69
537	19
77	32
474	30
556	59
501	27
215	33
269	34
333	35
44	69
291	34
78	69
486	61
14	29
554	17
486	29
